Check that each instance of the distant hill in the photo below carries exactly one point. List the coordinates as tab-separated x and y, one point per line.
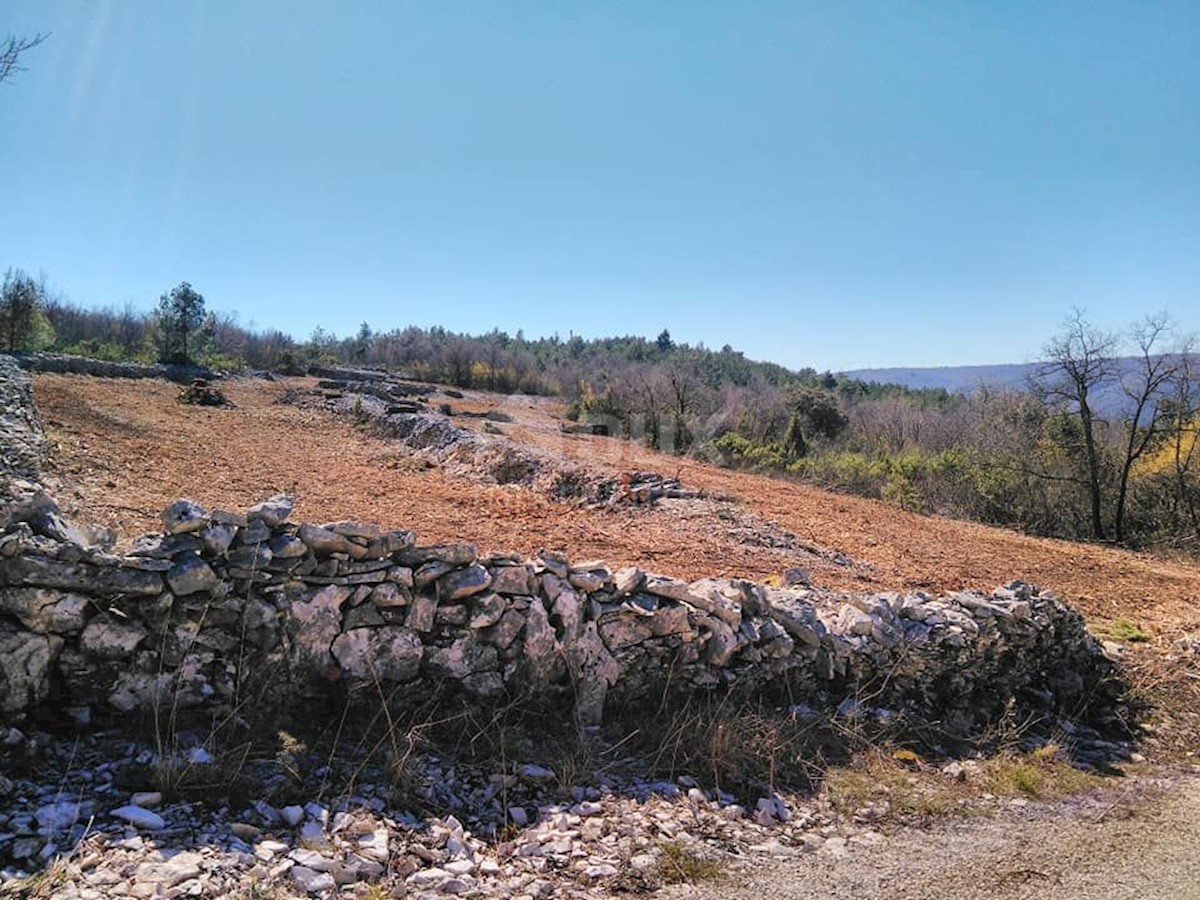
956	379
968	379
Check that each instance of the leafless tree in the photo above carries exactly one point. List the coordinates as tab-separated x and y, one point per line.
1147	415
11	50
1080	360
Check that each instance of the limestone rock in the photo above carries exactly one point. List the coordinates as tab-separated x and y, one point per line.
389	595
514	580
629	579
25	660
463	583
421	613
386	653
273	512
110	639
317	622
192	575
44	610
217	538
487	609
322	541
42	571
464	657
184	516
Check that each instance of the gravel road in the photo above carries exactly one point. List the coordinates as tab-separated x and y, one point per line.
1137	841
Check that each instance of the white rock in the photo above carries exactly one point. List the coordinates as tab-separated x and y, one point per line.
428	877
374	845
146	799
535	772
312	882
140	818
313	833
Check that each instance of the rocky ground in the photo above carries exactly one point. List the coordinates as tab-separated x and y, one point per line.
102	816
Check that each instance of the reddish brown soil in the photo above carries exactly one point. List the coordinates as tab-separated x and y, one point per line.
121	450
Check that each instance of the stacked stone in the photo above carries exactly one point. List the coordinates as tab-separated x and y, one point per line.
222	606
63	363
21	438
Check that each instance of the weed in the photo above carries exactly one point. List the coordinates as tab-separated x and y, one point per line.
44	885
1042	774
1121	630
677	864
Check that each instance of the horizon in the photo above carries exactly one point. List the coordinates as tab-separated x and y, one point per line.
838	188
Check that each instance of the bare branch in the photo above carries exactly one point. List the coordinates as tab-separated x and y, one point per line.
10	53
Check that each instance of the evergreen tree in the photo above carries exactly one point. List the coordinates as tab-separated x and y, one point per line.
180	321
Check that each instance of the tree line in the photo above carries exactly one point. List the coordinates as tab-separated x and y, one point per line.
1100	444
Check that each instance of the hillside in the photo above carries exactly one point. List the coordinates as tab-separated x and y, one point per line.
103	432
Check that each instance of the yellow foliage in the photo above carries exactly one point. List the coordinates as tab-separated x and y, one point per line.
1162	460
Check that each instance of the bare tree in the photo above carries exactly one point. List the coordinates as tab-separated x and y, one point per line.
1080	360
1184	442
11	50
1147	414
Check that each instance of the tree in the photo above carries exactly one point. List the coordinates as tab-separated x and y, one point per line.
23	324
10	53
1080	359
180	319
1148	414
663	341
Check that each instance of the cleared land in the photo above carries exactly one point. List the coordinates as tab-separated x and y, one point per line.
122	450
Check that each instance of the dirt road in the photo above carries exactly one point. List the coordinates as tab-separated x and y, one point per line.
1133	842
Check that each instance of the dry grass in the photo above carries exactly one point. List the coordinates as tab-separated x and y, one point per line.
1043	774
886	785
680	864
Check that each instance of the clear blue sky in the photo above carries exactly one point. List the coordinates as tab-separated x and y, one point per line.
830	184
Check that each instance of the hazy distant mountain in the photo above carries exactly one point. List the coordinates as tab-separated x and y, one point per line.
967	379
957	379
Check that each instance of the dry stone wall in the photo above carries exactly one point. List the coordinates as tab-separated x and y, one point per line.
224	609
82	365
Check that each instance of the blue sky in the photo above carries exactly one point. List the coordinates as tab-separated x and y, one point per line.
830	184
